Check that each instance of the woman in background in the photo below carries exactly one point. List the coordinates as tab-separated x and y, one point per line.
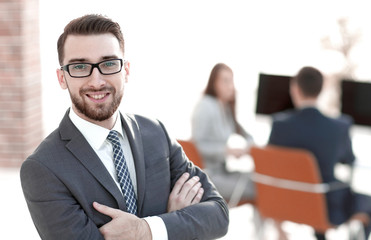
213	123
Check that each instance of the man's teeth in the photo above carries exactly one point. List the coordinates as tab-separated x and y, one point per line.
98	97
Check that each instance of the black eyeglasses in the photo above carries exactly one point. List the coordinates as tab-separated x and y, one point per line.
106	67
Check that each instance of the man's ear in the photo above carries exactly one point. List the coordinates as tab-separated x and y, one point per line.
127	70
294	93
61	78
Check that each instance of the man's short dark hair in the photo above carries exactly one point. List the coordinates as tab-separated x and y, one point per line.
88	25
310	81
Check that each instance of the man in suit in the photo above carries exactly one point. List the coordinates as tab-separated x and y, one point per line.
327	138
70	182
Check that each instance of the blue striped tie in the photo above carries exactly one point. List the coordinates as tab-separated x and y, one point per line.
122	172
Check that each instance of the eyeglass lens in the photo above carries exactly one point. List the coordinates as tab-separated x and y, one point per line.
85	69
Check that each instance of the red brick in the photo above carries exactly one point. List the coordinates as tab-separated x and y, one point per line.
20	81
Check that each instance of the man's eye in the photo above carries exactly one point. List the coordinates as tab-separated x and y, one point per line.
109	64
79	66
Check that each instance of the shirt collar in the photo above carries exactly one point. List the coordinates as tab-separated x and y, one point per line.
94	134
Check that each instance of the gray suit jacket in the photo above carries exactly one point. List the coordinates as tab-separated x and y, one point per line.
64	176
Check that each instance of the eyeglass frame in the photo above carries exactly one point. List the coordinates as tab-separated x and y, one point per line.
93	65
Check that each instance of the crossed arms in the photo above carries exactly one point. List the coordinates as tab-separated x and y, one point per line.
186	192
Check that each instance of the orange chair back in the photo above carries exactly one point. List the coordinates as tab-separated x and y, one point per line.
285	204
192	152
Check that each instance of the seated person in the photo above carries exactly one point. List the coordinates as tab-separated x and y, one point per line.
327	138
213	122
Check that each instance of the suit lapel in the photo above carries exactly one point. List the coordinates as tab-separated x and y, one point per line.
84	153
132	130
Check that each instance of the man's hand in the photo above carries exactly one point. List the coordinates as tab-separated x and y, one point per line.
123	225
186	192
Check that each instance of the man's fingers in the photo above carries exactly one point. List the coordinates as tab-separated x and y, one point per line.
179	184
191	193
189	186
185	193
198	197
106	210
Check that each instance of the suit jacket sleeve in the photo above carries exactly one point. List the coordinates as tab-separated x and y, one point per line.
59	190
274	137
346	154
55	212
206	220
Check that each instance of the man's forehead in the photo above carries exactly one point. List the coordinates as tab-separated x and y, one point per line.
93	47
91	40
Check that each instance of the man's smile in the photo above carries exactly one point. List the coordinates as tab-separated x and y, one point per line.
98	97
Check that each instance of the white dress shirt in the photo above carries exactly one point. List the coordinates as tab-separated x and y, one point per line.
97	138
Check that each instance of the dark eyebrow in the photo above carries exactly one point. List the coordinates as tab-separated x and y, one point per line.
84	60
73	60
109	57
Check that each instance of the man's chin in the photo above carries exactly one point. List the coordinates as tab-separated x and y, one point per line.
99	117
96	112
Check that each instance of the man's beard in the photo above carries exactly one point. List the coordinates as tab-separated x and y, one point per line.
100	112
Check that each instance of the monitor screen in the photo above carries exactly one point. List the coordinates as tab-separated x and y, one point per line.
356	101
273	94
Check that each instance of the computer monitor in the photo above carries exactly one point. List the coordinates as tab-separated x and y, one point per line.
356	101
273	94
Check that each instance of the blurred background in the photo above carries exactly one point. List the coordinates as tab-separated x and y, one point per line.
172	46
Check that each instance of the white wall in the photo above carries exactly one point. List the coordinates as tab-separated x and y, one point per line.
172	46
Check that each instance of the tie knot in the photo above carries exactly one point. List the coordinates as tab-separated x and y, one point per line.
113	137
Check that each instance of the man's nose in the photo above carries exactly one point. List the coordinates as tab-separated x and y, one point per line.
96	78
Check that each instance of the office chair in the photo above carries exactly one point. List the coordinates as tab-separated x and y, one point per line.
289	187
193	154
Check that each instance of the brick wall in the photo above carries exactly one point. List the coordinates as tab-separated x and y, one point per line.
20	81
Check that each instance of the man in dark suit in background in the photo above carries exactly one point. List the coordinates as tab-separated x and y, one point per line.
70	182
327	138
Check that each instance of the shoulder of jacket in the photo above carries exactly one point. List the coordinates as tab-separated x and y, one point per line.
140	119
283	116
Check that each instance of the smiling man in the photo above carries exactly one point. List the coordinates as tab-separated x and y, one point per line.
103	174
